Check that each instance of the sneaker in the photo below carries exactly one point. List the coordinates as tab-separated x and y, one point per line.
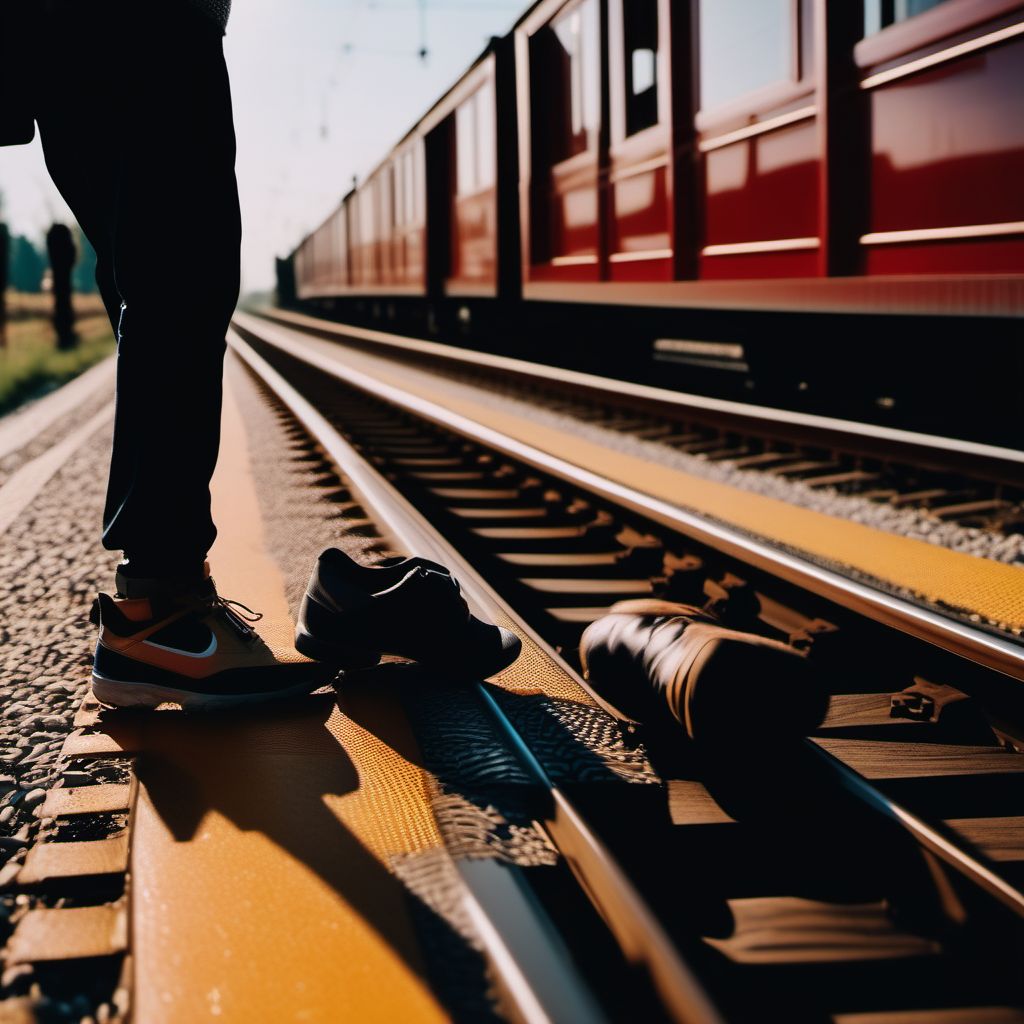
352	615
188	646
657	662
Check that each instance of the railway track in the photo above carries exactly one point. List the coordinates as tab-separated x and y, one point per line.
962	483
868	874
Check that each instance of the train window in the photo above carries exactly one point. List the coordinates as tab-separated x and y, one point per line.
640	37
879	14
571	51
744	46
486	140
367	217
387	205
465	147
398	178
409	179
475	142
420	175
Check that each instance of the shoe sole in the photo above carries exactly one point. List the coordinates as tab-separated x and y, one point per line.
508	657
119	693
350	659
620	716
345	657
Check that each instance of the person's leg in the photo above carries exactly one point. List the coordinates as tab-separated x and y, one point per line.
137	130
176	265
149	172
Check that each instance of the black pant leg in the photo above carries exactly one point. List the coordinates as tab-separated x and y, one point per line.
172	235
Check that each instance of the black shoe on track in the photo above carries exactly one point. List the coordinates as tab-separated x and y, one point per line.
352	615
660	663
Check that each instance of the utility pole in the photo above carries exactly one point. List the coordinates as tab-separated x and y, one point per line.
424	50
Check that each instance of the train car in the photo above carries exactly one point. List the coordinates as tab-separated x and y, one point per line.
797	202
432	233
774	154
321	262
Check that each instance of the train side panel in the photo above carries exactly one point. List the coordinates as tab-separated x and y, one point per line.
669	149
473	185
946	98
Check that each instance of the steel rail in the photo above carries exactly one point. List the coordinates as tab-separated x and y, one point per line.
928	837
983	648
910	446
641	937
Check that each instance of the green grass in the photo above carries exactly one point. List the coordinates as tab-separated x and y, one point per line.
31	365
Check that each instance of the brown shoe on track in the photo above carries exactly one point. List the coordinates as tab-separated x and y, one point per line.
656	663
189	647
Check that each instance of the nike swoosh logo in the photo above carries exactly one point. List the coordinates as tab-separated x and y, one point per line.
208	653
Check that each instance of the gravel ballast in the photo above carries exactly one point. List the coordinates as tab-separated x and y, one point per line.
52	563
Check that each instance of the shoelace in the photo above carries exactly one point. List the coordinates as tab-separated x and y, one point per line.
229	605
241	619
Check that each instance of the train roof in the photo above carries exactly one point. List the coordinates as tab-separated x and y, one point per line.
434	114
437	110
447	98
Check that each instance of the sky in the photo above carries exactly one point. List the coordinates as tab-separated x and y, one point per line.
322	89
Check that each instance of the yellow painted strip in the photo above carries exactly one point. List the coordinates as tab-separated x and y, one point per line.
239	561
263	841
992	590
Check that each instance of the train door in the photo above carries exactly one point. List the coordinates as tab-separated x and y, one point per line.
564	168
399	268
384	180
474	209
410	216
364	250
339	251
640	175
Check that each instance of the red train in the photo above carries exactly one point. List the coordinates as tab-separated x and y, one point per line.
817	204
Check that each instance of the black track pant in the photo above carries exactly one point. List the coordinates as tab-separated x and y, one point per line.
134	110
